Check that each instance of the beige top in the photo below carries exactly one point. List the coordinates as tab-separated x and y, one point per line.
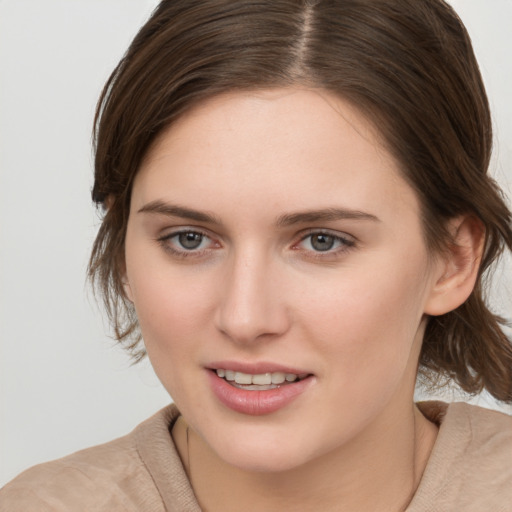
470	470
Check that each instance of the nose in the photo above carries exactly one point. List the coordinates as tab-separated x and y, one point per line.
251	305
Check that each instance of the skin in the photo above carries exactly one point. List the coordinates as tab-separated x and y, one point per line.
258	290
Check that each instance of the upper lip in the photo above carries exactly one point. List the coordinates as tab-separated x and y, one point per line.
256	368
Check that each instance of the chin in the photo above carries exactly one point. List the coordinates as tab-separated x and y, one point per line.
261	452
269	461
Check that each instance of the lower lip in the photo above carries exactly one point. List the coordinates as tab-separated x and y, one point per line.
257	403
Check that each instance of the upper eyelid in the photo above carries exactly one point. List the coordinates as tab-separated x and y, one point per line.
330	232
346	242
165	241
166	237
171	232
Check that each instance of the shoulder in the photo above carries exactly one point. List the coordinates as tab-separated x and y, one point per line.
110	477
77	482
470	467
476	433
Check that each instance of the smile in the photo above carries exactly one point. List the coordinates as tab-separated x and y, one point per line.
260	392
258	382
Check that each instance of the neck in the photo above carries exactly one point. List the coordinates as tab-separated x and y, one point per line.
380	470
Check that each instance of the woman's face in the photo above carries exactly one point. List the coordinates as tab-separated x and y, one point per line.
270	233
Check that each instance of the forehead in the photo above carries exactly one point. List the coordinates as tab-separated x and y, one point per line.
313	115
282	147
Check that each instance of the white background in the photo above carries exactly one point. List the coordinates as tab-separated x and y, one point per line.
63	383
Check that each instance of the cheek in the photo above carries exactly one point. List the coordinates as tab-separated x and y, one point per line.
366	324
168	309
171	303
172	316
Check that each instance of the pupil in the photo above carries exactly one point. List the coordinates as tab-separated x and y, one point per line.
190	240
322	242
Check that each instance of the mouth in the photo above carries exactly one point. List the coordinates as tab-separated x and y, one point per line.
260	381
258	388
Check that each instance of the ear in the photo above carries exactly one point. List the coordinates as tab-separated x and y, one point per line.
457	269
127	289
109	202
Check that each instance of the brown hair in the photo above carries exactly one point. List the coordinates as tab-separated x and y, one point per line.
407	64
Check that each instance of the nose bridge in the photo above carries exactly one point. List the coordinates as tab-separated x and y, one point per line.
251	303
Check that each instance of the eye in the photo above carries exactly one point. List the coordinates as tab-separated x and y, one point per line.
190	240
186	242
321	242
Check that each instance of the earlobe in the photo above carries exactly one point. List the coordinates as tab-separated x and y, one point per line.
458	267
127	289
108	202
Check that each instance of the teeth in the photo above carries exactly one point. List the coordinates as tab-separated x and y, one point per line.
243	378
278	378
254	387
261	379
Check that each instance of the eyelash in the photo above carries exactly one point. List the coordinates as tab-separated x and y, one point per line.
345	244
166	240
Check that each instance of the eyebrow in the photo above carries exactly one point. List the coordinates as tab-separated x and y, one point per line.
172	210
322	215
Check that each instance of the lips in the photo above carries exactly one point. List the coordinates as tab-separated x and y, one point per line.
249	390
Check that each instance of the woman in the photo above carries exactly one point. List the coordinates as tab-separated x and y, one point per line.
297	222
